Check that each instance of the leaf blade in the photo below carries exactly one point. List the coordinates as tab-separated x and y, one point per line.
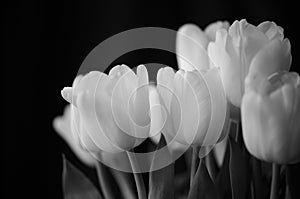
76	185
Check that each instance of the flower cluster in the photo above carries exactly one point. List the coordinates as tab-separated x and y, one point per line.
239	66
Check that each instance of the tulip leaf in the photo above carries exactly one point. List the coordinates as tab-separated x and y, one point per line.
195	162
76	185
161	181
108	185
125	182
261	183
239	171
181	184
222	180
138	177
293	180
202	185
212	165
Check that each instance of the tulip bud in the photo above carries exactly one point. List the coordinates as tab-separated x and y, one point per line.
235	50
270	118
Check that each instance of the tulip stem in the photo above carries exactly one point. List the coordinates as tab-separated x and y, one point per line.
141	190
103	175
275	181
195	162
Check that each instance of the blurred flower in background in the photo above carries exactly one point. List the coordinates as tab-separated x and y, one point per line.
62	125
243	45
270	118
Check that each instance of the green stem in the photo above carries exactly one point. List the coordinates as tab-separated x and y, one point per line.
275	181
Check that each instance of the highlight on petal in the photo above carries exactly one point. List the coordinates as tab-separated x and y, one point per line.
66	93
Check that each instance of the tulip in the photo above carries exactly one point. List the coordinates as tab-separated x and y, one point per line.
192	42
62	125
191	49
112	109
240	49
195	106
270	118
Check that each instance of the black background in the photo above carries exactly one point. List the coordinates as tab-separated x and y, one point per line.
44	45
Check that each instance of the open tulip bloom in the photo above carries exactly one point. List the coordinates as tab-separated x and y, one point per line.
222	69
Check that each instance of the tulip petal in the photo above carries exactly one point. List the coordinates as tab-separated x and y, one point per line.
97	128
219	111
158	115
252	40
62	126
200	91
224	56
123	85
76	184
191	44
165	78
212	28
271	30
141	101
78	129
274	57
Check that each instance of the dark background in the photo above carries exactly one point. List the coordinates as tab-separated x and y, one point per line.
44	44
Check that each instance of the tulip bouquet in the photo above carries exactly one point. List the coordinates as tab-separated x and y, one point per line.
225	125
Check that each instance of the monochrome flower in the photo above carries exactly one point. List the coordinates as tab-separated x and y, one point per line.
112	109
192	106
243	45
192	42
270	118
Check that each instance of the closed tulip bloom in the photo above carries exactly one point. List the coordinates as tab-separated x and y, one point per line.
195	114
63	126
270	118
238	50
192	42
197	78
111	110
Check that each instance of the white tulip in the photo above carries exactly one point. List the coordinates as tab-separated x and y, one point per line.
270	117
195	105
112	109
200	77
243	45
